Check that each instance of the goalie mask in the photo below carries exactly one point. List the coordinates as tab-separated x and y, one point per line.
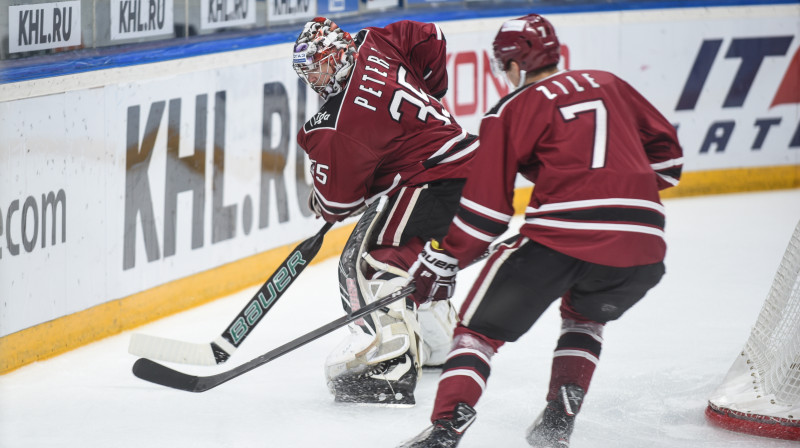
530	41
324	55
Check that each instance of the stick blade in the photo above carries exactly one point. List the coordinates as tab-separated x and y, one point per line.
171	350
159	374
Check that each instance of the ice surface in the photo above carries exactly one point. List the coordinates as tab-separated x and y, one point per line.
659	363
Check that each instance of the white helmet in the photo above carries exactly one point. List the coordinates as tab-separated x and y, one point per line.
322	41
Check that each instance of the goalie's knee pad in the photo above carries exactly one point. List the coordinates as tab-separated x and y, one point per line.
380	364
437	321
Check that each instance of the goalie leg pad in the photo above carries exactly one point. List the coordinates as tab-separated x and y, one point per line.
380	367
437	321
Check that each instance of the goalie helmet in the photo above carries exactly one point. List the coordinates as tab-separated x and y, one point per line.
530	41
324	55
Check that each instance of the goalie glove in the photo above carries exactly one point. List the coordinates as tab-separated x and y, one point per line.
433	274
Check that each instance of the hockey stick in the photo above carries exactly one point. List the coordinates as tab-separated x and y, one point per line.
159	374
220	349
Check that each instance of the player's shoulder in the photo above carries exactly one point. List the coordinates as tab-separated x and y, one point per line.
508	101
328	115
593	76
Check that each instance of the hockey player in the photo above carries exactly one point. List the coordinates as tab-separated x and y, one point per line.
598	154
382	143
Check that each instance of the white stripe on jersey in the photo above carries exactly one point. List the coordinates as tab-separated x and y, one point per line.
671	180
376	196
446	147
589	203
461	153
667	164
466	203
595	226
472	232
335	204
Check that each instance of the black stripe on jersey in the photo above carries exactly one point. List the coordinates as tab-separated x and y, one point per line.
609	214
579	341
460	146
673	172
360	37
495	110
468	361
338	211
480	222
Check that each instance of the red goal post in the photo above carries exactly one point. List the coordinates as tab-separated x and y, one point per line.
761	392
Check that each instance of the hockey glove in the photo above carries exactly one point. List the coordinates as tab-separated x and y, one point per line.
313	203
434	274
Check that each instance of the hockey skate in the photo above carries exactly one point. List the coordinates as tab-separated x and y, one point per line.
444	433
554	425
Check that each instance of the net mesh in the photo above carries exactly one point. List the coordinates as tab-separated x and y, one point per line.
774	343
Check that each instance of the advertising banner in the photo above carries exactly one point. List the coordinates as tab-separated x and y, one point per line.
728	80
137	18
281	11
336	7
220	14
44	26
382	4
112	190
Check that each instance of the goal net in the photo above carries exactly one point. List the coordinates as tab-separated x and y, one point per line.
761	393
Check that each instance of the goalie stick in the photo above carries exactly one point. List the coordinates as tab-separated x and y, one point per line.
159	374
220	349
154	372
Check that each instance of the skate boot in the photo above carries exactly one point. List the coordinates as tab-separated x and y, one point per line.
554	425
444	433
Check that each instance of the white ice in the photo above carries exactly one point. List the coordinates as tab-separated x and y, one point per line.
659	363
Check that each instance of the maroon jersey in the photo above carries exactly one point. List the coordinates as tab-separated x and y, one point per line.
598	153
387	129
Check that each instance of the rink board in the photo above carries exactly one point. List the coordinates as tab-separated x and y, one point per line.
131	193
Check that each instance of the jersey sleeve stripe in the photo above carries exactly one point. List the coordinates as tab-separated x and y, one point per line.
454	149
484	224
667	164
472	232
674	173
461	153
334	205
671	180
472	205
